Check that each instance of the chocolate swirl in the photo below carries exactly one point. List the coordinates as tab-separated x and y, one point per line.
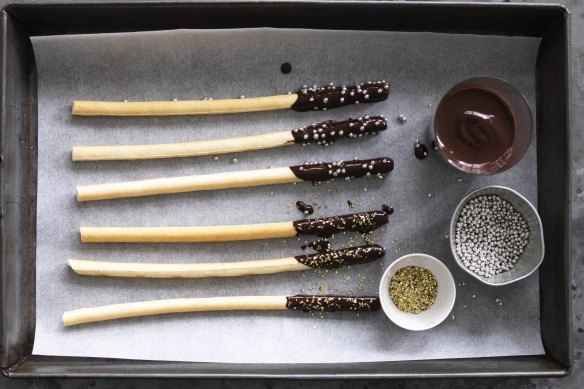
332	303
338	258
324	171
326	133
327	97
326	226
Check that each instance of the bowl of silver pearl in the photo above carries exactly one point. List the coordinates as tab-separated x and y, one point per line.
496	236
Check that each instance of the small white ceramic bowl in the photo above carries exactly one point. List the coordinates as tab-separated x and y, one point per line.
531	258
433	315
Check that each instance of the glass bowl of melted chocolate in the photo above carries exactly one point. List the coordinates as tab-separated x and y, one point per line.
482	125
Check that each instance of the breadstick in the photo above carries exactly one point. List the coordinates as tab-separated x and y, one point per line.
323	134
306	99
331	259
318	171
326	226
306	303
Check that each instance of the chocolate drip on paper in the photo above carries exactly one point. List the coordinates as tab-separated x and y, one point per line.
305	208
324	171
332	303
326	226
327	97
326	133
387	209
338	258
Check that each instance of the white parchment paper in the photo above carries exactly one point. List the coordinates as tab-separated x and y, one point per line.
228	63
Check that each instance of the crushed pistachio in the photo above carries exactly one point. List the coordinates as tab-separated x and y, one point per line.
413	289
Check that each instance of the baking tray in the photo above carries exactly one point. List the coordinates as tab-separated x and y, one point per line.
18	129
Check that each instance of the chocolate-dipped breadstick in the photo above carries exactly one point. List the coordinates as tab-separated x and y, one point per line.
325	226
306	99
306	303
328	260
323	134
313	171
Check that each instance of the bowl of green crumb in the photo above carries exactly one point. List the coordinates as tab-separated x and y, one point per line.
417	292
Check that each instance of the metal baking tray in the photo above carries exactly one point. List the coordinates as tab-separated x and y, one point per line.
18	167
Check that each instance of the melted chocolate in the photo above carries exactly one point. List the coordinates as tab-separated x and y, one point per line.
334	259
320	246
332	303
474	127
420	150
326	226
435	145
326	133
305	208
323	171
327	97
286	68
387	209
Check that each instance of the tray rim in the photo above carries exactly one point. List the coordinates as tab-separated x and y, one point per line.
27	365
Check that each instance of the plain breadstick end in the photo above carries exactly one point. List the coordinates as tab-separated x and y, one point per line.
67	319
72	264
75	110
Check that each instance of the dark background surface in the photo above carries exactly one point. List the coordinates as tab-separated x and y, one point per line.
575	380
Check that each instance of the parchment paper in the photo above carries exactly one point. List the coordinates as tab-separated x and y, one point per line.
230	63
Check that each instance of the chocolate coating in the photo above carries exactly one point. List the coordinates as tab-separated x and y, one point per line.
321	246
326	133
326	226
338	258
327	97
324	171
332	303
